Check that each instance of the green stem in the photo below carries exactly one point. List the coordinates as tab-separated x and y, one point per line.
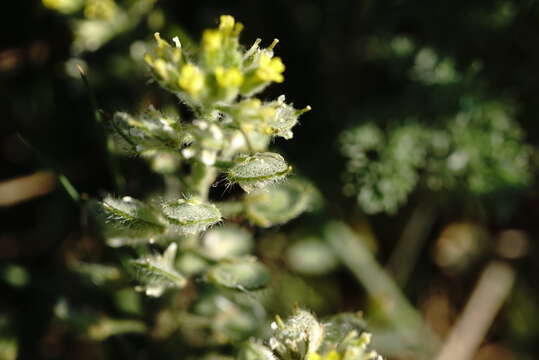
64	181
202	177
118	180
405	319
404	256
247	140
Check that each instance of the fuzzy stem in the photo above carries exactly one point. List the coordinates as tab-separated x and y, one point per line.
202	178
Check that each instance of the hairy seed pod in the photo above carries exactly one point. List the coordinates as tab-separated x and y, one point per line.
258	171
242	273
127	218
190	216
157	272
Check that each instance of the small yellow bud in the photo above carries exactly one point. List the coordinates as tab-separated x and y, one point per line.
313	356
160	67
253	103
148	58
267	112
226	24
212	40
228	78
270	69
191	79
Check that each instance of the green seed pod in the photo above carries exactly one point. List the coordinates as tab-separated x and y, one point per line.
151	130
337	327
256	351
258	171
311	256
280	203
127	218
300	334
244	274
284	118
226	242
190	216
157	272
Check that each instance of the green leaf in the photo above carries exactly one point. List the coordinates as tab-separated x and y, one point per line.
280	203
191	216
258	171
311	256
245	274
127	218
157	272
255	351
226	242
151	130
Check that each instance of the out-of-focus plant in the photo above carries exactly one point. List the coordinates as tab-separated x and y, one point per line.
223	138
226	136
96	22
480	151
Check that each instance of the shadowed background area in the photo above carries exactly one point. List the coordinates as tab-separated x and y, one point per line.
460	247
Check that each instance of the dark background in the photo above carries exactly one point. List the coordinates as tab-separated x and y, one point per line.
331	64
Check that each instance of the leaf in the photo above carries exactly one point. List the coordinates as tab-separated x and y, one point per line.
258	171
311	256
157	272
255	351
226	242
245	274
191	216
127	217
280	203
150	130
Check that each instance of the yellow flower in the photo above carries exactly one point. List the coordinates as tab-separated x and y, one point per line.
228	26
270	69
267	112
228	78
211	40
191	79
332	355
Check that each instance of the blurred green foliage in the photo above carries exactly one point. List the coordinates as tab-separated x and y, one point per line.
423	110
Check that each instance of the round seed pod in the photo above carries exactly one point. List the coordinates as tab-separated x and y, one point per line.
127	218
258	171
281	203
190	216
245	274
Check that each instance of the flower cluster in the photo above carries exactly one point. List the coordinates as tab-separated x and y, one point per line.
221	71
303	337
228	135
